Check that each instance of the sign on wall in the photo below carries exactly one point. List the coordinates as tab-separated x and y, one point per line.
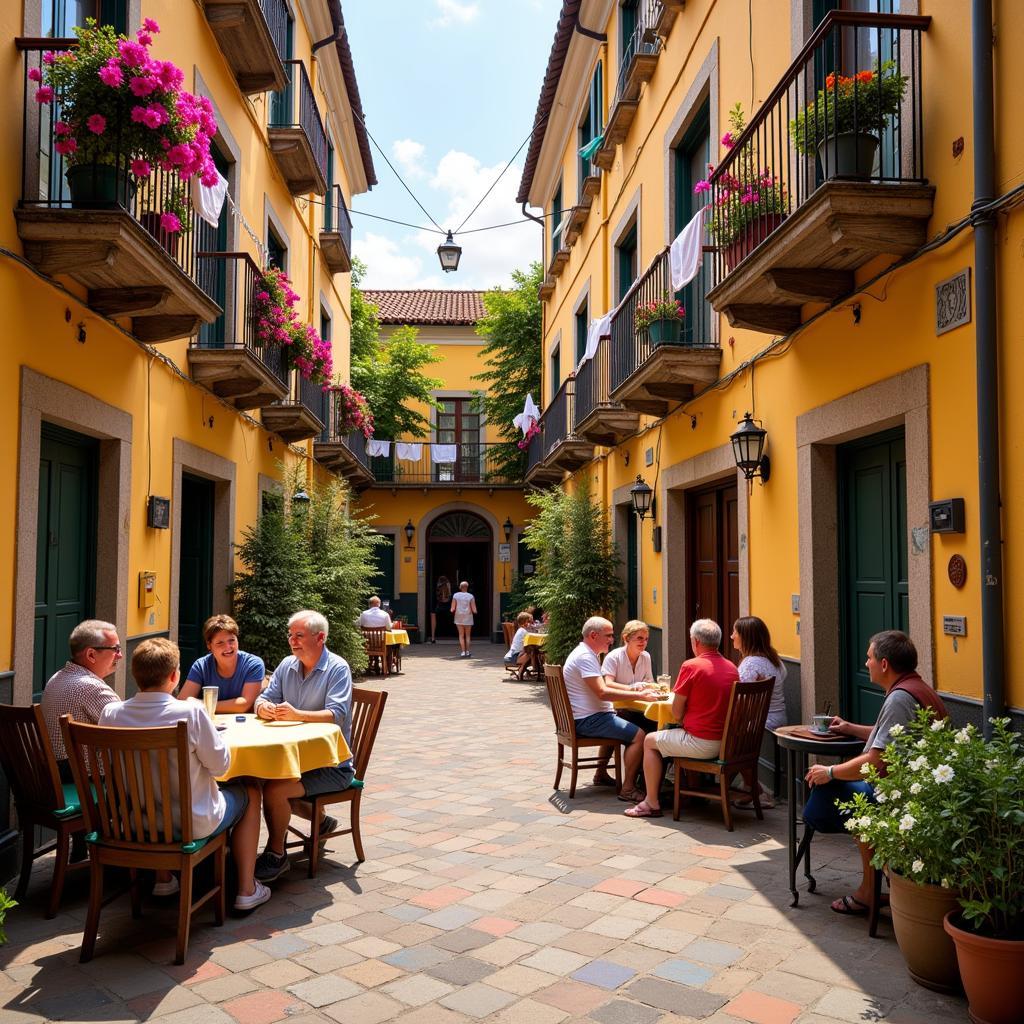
953	302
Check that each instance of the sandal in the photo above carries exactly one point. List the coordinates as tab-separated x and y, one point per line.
850	906
643	810
632	796
604	780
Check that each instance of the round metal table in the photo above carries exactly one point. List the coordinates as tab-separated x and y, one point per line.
798	748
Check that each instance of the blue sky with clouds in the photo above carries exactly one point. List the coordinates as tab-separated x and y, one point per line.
449	90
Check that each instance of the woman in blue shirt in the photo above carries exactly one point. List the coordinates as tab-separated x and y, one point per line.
237	675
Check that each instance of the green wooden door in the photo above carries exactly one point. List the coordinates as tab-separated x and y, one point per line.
195	568
65	546
873	545
384	581
632	593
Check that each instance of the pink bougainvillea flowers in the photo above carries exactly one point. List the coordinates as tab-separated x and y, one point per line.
141	168
44	94
96	123
170	223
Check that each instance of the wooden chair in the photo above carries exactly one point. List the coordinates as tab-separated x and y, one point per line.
367	711
509	629
565	733
125	783
26	757
376	641
741	747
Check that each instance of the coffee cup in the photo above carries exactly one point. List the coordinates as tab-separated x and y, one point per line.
821	723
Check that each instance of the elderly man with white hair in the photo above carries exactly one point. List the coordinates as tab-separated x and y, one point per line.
590	696
312	685
374	616
699	707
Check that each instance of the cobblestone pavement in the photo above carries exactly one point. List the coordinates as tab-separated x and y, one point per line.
485	897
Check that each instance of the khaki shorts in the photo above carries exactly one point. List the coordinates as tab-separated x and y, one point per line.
679	743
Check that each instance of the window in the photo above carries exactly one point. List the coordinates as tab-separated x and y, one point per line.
458	422
625	262
591	123
59	17
691	165
555	371
277	251
329	198
582	325
630	16
556	220
325	324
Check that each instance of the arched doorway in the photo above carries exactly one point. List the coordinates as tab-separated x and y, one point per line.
459	547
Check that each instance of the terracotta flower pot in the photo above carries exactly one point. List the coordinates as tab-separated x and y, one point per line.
917	919
992	971
750	237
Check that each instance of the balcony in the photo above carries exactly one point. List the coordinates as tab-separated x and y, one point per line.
296	132
110	243
343	451
597	417
564	449
226	357
301	416
336	235
827	201
648	372
666	18
538	473
478	465
252	35
547	287
574	225
558	262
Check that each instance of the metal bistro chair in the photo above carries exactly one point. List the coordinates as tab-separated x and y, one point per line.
124	781
741	747
565	733
376	641
26	757
367	711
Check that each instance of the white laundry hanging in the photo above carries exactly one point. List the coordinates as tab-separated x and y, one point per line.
378	448
443	453
599	329
529	416
408	451
687	252
208	201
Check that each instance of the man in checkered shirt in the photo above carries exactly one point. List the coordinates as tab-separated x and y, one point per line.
78	688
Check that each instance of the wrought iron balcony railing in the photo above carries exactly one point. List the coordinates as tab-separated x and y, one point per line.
478	464
276	14
295	107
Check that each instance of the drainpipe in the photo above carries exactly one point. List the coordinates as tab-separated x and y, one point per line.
987	354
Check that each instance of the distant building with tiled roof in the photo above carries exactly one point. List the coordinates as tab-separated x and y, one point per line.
427	306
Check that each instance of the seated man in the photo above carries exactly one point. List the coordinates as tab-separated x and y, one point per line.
590	696
156	670
699	707
312	685
516	655
374	616
891	664
78	688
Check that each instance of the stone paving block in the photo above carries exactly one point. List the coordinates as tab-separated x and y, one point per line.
462	939
261	1007
324	959
669	939
661	897
615	927
684	972
160	1004
329	934
368	1008
556	961
407	912
417	989
219	990
442	896
433	1014
371	946
477	1000
280	973
728	892
496	926
790	987
619	1011
280	947
586	943
604	974
503	951
520	980
240	956
529	1011
325	989
710	952
418	958
376	922
759	1008
846	1004
201	1014
666	995
540	932
451	917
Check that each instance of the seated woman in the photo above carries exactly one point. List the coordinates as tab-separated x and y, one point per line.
516	655
237	674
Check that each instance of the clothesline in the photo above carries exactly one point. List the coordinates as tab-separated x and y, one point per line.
412	451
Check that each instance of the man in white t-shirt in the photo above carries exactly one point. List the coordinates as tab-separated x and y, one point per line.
375	616
590	696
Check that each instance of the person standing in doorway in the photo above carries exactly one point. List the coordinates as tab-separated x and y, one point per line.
442	599
464	608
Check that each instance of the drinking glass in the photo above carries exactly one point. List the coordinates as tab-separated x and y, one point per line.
210	700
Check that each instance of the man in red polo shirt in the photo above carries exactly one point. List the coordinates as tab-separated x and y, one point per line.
699	707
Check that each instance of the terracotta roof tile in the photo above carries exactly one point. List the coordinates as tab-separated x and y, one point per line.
427	306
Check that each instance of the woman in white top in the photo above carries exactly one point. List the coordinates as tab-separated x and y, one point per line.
463	609
751	638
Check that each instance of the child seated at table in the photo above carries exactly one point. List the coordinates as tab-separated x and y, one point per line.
215	808
516	654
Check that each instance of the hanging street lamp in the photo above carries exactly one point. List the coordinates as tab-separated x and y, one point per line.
449	254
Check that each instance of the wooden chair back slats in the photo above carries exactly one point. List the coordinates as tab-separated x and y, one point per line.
744	724
367	711
376	641
27	758
509	629
561	709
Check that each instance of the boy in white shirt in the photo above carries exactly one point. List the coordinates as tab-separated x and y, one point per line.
515	654
156	670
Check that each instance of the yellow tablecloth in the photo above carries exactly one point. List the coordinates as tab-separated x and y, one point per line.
535	639
659	711
394	637
268	751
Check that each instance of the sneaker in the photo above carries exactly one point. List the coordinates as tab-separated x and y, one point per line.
259	896
169	888
270	866
327	826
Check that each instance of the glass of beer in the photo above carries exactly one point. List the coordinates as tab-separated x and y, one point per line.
210	699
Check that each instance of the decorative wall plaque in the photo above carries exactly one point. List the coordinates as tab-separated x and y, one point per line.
957	570
953	301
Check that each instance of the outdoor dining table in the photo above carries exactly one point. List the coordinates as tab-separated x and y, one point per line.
533	648
798	744
279	750
396	639
659	711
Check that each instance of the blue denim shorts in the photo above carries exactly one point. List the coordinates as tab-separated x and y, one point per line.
821	812
236	796
606	725
327	780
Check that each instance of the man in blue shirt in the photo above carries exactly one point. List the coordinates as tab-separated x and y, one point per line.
313	685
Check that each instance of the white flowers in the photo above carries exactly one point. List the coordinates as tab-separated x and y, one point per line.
915	788
865	768
851	825
943	773
918	763
897	730
864	822
944	883
880	797
921	743
917	867
938	726
963	736
907	822
896	794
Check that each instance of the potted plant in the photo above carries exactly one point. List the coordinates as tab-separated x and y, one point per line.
843	124
120	113
749	203
662	320
912	838
278	325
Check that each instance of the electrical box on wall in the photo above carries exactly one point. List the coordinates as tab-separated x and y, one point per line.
147	589
946	516
158	513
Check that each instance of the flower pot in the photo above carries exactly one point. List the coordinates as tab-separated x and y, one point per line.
94	184
750	237
664	332
169	240
992	971
848	155
917	915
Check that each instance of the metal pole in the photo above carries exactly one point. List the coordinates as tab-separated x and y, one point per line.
987	354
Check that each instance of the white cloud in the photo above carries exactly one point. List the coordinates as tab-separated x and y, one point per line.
455	12
409	155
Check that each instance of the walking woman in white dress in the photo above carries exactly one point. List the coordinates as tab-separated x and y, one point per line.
463	609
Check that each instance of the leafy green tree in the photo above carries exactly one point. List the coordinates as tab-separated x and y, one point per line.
512	327
365	323
577	565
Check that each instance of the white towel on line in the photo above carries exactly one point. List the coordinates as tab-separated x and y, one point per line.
378	448
408	452
599	329
442	453
208	201
687	252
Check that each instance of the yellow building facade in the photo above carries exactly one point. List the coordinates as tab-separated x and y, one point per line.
461	518
836	299
145	422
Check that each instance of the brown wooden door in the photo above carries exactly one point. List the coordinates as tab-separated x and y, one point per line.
714	577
